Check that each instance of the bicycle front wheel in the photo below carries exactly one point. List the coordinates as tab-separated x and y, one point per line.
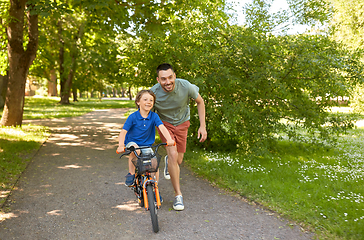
152	207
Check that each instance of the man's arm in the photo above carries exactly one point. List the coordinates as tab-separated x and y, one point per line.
202	133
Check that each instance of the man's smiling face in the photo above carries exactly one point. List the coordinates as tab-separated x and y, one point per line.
167	80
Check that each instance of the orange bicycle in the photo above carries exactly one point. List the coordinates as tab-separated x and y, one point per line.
145	186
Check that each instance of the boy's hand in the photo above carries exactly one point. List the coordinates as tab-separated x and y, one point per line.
120	149
171	143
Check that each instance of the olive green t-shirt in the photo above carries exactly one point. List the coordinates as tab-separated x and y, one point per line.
173	107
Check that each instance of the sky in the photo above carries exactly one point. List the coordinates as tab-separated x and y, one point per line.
275	7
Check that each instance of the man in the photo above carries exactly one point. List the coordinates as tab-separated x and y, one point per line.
172	105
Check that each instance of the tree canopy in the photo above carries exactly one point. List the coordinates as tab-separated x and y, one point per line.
256	80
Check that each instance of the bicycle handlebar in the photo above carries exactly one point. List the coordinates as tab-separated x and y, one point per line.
131	149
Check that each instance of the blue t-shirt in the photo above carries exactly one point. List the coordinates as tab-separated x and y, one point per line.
141	130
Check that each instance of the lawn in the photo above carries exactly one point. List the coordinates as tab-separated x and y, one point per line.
320	189
17	146
35	108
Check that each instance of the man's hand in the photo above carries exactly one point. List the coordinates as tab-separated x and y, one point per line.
202	134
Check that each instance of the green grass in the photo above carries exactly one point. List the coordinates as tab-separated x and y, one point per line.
320	189
17	145
49	107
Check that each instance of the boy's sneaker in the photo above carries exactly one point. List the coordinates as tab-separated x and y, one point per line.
160	197
166	173
129	181
178	203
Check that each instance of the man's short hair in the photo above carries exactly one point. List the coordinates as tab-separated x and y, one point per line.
164	67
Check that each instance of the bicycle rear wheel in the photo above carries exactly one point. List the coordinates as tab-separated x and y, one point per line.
152	207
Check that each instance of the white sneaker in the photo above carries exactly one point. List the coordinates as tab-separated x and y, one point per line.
178	203
166	173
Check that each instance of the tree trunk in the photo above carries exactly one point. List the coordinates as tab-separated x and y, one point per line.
3	88
66	83
130	94
74	93
19	61
52	84
64	94
122	92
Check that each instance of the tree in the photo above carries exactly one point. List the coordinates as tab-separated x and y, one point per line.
347	28
251	79
21	53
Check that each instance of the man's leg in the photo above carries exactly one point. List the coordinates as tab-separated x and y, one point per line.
173	168
180	158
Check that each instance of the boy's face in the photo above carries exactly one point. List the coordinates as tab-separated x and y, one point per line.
167	80
146	102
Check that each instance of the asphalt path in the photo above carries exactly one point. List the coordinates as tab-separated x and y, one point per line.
74	189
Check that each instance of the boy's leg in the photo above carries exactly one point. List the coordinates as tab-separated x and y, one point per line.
131	165
131	175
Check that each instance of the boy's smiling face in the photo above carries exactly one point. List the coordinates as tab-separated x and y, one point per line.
146	102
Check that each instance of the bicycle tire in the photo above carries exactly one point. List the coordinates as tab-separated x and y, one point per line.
152	207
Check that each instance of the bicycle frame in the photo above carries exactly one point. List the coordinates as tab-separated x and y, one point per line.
144	180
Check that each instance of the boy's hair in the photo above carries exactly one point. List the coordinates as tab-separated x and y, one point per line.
140	94
164	67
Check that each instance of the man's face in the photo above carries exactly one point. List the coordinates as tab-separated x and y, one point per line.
167	80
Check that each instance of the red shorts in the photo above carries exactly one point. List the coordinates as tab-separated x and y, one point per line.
178	134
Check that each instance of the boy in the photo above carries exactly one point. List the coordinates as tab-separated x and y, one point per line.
139	130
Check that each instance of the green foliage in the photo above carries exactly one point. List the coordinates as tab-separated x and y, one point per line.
347	28
3	38
86	34
252	80
357	101
259	18
348	22
255	84
311	12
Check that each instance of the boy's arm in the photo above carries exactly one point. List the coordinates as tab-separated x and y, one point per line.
166	134
122	135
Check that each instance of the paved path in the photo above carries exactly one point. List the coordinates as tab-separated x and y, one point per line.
74	189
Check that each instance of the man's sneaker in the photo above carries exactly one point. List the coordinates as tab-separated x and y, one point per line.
129	181
166	173
178	203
